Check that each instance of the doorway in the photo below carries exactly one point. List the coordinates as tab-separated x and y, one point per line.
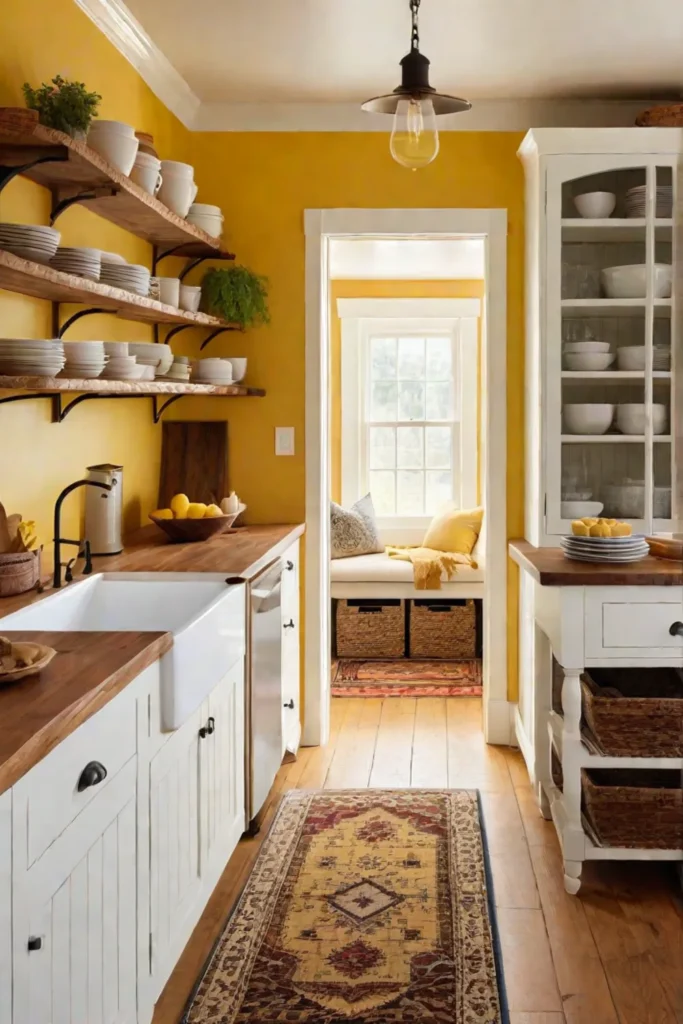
322	227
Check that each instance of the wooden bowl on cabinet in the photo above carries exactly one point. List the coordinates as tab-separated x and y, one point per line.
189	531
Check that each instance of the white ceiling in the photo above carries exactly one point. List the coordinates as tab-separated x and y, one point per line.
339	51
387	259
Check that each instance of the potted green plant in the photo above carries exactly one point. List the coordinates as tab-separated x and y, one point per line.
66	106
236	294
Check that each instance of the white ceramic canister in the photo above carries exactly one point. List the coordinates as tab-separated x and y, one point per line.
103	510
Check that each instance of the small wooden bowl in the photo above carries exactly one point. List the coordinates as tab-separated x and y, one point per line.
189	531
45	656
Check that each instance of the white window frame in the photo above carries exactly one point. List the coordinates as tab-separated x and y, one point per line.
360	318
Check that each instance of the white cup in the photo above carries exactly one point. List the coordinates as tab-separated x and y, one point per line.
169	291
177	192
114	127
190	296
176	169
147	175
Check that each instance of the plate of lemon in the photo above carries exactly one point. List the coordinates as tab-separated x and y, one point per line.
191	521
603	540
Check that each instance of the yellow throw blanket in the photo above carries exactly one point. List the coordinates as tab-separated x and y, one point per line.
428	565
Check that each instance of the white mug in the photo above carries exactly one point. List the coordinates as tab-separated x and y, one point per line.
169	290
177	193
148	178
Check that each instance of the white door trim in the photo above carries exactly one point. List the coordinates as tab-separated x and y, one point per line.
320	226
400	309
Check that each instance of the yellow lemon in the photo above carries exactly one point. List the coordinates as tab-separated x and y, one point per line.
600	530
580	529
179	505
621	530
212	512
196	510
163	513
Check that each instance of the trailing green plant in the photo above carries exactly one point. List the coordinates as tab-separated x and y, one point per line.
236	294
67	106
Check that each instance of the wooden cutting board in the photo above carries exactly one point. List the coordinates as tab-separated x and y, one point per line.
194	461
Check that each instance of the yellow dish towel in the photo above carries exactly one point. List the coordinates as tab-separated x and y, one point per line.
428	564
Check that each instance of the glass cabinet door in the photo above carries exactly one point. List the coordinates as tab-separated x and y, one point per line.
607	345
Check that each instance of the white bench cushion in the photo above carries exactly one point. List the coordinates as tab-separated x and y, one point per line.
383	569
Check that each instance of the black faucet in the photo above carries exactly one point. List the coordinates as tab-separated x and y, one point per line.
59	540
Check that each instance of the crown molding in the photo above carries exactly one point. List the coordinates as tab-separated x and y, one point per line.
125	32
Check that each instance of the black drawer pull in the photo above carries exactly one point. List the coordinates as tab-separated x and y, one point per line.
211	726
289	625
34	943
92	775
289	566
290	704
676	629
203	733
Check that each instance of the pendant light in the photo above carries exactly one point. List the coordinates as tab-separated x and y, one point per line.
415	106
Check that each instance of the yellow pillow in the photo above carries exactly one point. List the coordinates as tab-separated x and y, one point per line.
455	530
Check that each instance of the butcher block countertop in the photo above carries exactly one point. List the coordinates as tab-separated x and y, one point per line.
550	568
40	711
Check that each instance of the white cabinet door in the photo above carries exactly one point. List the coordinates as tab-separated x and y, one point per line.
6	908
291	714
222	773
75	918
174	846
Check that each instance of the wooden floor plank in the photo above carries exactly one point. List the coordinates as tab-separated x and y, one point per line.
527	962
514	883
430	745
354	754
394	749
536	1018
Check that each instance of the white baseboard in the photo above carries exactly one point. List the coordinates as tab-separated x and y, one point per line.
525	745
498	722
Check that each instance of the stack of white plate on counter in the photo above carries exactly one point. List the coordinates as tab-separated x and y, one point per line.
212	371
636	201
80	261
30	241
605	549
129	276
25	357
85	360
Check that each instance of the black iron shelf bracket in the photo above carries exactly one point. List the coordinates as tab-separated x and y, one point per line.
176	330
157	257
160	407
64	204
91	311
60	410
8	174
27	398
191	264
214	334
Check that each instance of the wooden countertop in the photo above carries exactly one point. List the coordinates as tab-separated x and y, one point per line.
550	568
40	711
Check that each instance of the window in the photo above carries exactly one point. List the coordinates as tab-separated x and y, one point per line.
409	412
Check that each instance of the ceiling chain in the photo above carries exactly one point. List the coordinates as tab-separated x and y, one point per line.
415	35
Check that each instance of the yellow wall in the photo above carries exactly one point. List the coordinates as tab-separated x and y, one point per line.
40	39
264	182
348	289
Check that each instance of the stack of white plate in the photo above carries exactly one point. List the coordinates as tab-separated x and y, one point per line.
85	360
30	241
122	368
605	549
212	371
24	357
636	200
111	257
80	261
148	353
129	276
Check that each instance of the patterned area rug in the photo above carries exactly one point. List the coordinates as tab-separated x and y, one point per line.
406	678
364	907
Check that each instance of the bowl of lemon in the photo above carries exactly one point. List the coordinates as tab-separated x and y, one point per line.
186	521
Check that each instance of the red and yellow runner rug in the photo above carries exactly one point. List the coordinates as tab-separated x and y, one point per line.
406	678
364	907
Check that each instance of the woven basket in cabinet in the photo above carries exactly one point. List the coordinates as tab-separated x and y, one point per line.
635	712
635	807
444	630
371	629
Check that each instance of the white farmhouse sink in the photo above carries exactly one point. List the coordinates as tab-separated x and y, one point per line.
206	616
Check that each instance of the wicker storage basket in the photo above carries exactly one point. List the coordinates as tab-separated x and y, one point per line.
635	808
371	629
635	712
443	629
19	573
668	115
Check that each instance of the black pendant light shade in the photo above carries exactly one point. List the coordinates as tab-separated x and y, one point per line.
415	82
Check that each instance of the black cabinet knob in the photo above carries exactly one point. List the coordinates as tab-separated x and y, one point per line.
211	726
34	943
289	625
203	733
290	704
92	775
289	566
676	629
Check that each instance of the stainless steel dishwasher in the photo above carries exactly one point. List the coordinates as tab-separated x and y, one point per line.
264	697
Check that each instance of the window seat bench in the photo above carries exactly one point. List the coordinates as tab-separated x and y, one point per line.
376	576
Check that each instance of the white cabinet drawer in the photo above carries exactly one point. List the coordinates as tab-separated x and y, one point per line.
635	625
50	789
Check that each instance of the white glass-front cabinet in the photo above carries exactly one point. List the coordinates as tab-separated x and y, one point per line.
599	340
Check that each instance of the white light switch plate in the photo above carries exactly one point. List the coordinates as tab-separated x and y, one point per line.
284	440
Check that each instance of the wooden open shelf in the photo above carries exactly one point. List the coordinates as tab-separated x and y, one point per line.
80	169
43	282
126	387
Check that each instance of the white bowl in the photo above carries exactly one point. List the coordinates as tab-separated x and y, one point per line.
112	127
172	168
206	210
628	500
116	348
119	150
579	509
190	297
588	418
576	347
212	225
239	368
630	282
595	204
631	418
595	361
